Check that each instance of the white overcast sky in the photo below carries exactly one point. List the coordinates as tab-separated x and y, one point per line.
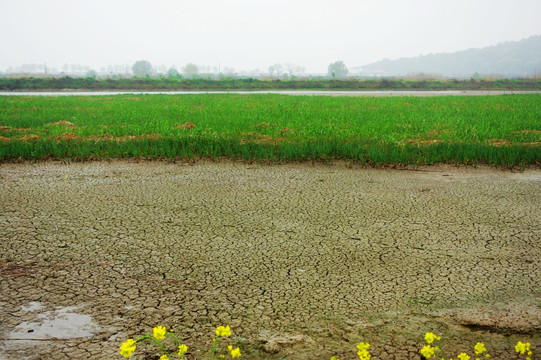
253	34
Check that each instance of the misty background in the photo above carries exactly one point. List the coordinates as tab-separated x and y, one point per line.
272	38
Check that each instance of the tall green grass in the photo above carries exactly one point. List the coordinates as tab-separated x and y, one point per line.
500	130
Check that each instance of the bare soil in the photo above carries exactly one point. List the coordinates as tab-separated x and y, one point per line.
303	262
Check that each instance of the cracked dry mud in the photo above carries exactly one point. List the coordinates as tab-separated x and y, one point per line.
302	261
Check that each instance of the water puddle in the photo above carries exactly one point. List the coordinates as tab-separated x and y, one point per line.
62	323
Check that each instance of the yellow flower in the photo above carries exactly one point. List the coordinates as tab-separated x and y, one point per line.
523	347
127	348
335	358
430	337
182	349
463	356
363	352
223	331
164	357
159	332
364	355
428	351
235	353
480	348
363	346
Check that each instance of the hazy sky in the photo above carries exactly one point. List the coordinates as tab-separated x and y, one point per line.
253	34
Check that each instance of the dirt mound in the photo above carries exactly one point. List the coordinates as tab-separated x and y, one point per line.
63	123
503	142
263	125
100	137
274	344
138	137
537	132
30	137
186	126
518	316
9	128
68	136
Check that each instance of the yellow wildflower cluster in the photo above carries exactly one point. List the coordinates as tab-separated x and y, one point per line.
182	349
431	349
428	350
127	348
523	348
480	349
235	353
430	337
363	352
223	331
159	332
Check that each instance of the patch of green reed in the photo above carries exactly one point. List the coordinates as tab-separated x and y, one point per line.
499	130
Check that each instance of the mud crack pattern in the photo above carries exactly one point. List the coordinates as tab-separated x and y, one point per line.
302	261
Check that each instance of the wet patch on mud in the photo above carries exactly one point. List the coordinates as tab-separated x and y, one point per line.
62	323
39	328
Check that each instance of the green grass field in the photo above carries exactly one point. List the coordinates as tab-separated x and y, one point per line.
498	130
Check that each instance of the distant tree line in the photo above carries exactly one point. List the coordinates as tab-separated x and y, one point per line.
178	83
143	69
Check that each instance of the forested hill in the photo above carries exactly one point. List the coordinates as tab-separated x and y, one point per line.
512	58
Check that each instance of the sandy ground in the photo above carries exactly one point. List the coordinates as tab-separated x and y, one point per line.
302	261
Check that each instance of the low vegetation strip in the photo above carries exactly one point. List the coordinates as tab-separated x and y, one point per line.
497	130
179	83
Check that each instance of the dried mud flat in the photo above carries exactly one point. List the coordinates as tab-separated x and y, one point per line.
302	261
